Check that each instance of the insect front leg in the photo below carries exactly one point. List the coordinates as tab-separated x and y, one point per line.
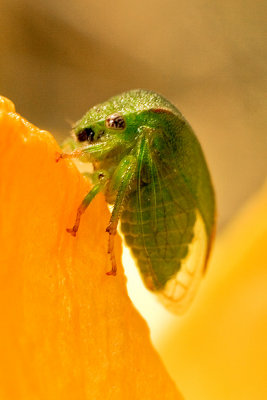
86	201
121	182
87	153
77	153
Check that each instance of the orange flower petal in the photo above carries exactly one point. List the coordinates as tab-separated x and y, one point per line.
67	330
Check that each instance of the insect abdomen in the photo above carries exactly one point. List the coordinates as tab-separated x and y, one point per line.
174	270
158	234
169	242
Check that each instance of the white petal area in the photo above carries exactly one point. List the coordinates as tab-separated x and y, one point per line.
179	291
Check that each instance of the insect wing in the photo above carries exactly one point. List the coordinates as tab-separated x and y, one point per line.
172	230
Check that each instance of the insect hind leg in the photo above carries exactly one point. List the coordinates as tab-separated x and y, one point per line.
112	232
121	181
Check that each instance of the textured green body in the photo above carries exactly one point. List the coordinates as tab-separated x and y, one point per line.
160	246
171	180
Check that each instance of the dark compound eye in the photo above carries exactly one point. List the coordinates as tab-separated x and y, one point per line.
115	121
86	134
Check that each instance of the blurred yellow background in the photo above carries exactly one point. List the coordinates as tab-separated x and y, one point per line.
58	58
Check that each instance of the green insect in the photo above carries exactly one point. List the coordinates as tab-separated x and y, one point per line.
151	168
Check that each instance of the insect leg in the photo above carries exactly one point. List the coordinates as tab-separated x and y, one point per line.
121	181
100	149
73	154
85	203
